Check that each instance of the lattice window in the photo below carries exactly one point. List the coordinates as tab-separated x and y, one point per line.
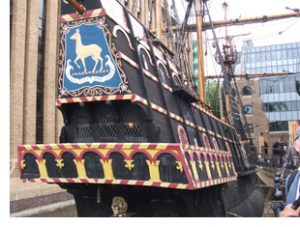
106	126
131	127
83	129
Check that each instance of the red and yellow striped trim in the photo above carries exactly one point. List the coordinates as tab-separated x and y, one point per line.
114	181
86	14
151	150
66	146
94	98
208	183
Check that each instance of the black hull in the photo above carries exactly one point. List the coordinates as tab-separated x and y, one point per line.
237	199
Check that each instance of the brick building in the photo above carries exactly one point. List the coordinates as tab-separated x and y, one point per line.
271	103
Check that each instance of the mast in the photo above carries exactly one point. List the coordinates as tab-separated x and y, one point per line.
240	21
201	90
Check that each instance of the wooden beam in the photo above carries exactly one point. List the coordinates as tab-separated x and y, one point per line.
201	90
239	21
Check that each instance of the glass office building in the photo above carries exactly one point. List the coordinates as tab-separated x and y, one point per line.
280	97
279	94
270	59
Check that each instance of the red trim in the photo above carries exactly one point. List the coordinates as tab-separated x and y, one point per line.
108	181
124	182
139	183
172	185
84	181
86	14
156	184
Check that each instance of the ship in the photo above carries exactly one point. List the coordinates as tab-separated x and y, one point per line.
137	140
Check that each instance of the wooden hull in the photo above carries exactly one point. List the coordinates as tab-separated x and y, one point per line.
133	128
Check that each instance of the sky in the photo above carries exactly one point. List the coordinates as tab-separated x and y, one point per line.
260	33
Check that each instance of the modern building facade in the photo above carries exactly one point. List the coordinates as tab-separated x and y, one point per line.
34	117
270	95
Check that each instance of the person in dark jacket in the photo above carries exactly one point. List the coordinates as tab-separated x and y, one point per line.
293	192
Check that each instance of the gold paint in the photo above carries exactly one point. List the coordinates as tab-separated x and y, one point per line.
28	147
127	145
161	146
94	145
200	165
107	168
154	170
59	163
68	146
218	169
212	165
193	164
226	168
207	169
179	166
41	146
144	146
80	168
129	164
233	169
42	168
23	164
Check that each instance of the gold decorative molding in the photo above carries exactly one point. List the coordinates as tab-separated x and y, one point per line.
207	169
193	164
107	168
42	168
80	168
154	170
218	169
200	165
23	164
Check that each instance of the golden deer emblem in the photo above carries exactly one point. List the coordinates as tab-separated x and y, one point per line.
84	51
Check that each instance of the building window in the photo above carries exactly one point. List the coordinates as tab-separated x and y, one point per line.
40	73
249	128
279	126
248	109
247	91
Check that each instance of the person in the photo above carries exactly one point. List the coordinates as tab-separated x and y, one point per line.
293	192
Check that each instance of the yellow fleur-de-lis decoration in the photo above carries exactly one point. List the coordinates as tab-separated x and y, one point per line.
200	165
229	165
59	163
179	166
212	164
129	164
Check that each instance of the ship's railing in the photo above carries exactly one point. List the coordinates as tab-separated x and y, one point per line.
140	164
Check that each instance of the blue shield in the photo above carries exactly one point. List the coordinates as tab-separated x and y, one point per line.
88	61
